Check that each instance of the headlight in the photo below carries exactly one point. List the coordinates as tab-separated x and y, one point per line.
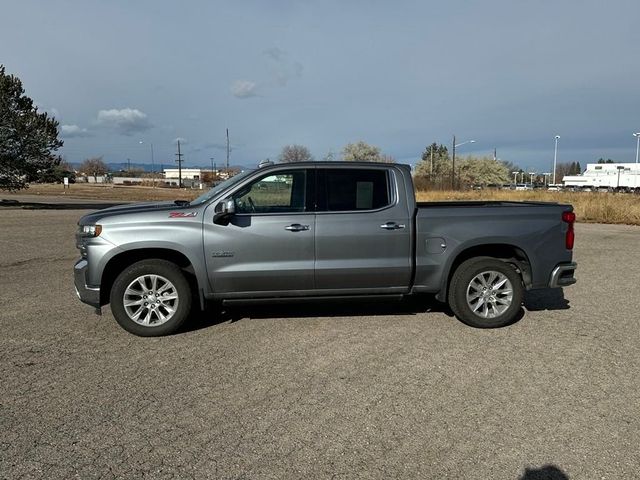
90	230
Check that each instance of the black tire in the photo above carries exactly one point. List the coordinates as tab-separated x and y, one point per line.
489	305
175	310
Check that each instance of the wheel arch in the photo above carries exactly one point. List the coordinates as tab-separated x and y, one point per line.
503	251
118	262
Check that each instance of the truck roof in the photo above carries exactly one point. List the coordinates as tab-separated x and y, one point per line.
329	163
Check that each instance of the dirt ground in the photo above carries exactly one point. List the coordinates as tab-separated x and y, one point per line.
362	390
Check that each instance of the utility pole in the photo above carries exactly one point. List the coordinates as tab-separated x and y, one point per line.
213	171
153	168
555	158
495	154
227	151
431	172
179	160
453	165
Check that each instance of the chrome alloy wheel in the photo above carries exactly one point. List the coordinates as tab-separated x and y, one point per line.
150	300
489	294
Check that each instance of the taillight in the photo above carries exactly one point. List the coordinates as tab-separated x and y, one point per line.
570	237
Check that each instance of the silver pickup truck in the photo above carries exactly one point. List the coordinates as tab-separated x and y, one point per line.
325	230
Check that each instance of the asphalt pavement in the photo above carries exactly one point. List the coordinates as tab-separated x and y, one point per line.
361	390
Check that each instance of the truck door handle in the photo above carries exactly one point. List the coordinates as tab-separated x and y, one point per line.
296	227
392	226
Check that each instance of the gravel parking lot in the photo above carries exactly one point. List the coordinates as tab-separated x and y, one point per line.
316	391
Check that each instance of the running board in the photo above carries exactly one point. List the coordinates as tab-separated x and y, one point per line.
333	298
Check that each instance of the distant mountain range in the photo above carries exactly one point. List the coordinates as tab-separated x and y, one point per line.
147	167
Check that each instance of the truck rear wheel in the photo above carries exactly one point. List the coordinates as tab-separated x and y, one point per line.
151	298
486	293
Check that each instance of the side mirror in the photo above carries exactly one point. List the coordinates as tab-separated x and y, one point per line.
223	211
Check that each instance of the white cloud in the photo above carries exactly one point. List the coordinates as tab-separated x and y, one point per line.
126	121
243	89
71	131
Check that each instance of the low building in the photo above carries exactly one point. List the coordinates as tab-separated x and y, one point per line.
130	180
193	177
610	176
187	173
92	179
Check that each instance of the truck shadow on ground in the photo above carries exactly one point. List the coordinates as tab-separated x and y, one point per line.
217	313
547	472
547	299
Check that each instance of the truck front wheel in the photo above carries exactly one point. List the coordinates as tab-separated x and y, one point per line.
151	298
486	293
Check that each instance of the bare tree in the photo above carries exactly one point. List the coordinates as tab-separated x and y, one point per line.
329	157
295	153
94	166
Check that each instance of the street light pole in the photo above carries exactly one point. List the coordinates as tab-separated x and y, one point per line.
635	177
620	168
453	160
555	158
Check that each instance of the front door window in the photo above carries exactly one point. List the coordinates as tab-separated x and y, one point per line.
283	192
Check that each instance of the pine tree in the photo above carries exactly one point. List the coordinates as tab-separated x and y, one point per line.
572	168
27	138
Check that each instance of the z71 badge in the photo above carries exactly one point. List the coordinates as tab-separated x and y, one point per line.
182	214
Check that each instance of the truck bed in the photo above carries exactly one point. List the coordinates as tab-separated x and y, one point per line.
534	231
481	203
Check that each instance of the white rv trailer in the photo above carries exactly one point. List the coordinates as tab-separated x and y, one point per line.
606	176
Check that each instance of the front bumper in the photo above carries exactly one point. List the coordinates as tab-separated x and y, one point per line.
562	275
86	294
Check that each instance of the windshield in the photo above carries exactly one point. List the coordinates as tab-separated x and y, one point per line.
229	182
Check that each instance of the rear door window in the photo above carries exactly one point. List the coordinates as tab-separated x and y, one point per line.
353	189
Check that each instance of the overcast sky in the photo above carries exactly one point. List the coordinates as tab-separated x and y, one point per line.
510	74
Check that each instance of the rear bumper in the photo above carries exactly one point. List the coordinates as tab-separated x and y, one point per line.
563	275
86	294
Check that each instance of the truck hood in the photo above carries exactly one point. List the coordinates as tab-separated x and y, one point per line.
95	217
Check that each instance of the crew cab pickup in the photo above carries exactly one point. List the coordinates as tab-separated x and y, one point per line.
321	230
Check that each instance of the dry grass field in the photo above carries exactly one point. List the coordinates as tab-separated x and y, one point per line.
109	192
590	207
